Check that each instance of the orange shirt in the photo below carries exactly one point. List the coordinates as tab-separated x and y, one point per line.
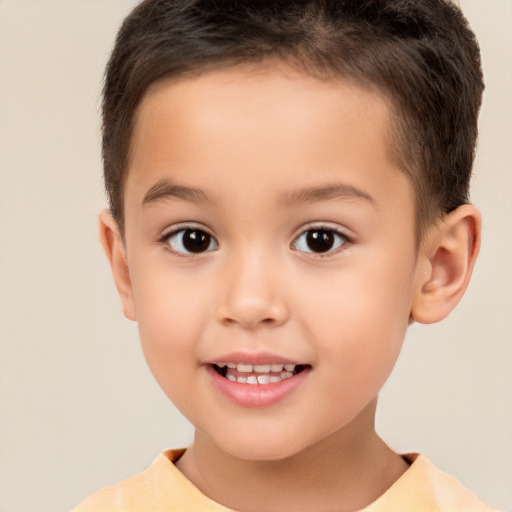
162	488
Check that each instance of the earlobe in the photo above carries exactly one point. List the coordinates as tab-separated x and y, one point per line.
445	264
114	247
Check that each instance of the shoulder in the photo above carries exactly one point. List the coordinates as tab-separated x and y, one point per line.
161	488
147	491
423	487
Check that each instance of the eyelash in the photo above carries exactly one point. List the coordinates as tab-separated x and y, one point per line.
340	238
165	239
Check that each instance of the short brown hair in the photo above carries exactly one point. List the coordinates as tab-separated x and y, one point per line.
421	54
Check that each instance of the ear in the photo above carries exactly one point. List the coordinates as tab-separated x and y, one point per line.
114	247
445	264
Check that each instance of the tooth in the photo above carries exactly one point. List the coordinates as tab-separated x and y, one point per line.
231	365
220	365
243	380
261	368
275	379
231	378
252	379
245	368
289	367
286	375
263	379
276	367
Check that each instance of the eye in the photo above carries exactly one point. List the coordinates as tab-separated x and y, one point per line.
190	241
319	240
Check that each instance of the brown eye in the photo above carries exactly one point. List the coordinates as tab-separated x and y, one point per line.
319	241
191	241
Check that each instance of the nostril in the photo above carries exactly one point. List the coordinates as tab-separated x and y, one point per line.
252	316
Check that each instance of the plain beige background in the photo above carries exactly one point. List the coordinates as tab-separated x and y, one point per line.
79	409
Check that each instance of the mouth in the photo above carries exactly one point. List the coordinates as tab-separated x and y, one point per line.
258	374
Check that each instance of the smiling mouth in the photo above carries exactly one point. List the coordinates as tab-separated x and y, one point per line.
258	373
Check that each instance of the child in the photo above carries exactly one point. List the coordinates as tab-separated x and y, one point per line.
288	186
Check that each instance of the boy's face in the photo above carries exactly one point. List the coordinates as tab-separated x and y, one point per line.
267	224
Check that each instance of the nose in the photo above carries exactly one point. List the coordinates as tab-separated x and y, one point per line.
252	295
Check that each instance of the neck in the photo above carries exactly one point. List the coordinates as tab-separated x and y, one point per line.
346	471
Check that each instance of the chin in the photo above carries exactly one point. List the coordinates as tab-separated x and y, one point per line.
254	446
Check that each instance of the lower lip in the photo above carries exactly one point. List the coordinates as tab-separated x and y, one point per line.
257	395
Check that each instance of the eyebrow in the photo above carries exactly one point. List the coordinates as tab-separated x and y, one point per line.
326	192
166	189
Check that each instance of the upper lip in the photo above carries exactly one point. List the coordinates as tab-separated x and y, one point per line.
253	358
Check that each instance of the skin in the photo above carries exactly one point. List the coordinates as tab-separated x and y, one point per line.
249	139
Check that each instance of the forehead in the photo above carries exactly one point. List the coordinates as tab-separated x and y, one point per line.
262	127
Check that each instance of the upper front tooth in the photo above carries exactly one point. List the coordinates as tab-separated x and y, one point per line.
261	368
245	368
276	367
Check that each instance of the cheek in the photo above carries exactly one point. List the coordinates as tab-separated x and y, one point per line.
356	301
171	313
169	303
359	317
